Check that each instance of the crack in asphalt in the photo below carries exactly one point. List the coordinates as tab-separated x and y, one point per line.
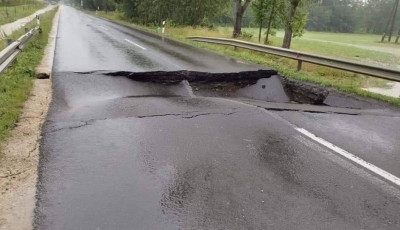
85	123
184	115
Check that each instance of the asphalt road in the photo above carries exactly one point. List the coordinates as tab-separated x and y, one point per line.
120	154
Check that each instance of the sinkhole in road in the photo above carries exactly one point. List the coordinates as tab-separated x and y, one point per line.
264	85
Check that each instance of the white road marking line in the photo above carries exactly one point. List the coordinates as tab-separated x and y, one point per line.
135	44
179	67
103	27
388	176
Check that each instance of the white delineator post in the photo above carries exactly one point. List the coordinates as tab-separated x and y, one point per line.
163	27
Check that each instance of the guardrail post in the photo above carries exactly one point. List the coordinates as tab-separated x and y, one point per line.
299	64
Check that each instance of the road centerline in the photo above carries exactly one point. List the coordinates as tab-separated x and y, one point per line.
131	42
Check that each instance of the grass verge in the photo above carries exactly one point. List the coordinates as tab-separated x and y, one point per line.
17	80
344	81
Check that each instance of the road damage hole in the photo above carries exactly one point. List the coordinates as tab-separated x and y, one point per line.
175	77
263	85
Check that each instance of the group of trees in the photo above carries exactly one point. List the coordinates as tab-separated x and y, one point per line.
290	14
177	12
369	16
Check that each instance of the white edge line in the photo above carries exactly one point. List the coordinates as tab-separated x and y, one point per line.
103	27
131	42
378	171
390	177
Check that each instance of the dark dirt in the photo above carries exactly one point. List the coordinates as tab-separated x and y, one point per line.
304	92
174	77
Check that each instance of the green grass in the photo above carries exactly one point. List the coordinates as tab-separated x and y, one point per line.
341	80
16	82
17	12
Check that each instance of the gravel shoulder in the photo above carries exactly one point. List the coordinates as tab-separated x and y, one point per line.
19	160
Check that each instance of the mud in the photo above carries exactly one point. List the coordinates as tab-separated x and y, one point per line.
304	92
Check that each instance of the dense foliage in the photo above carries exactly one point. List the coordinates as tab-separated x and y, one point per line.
369	16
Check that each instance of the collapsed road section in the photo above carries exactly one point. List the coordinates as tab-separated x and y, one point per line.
128	149
264	85
232	84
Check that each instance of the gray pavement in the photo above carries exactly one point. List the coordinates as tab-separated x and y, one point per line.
120	154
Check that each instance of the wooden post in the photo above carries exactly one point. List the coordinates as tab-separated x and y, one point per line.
299	65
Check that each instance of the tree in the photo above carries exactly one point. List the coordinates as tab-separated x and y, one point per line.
287	40
240	9
260	9
393	21
295	22
276	16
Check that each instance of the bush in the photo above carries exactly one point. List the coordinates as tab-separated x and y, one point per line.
272	32
246	35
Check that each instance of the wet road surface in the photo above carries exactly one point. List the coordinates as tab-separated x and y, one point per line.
120	154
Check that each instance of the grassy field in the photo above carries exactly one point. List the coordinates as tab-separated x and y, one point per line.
17	80
16	12
330	45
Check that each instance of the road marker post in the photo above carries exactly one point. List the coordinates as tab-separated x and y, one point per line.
163	27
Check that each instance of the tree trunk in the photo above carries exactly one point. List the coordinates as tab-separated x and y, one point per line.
261	22
393	20
398	37
387	26
287	41
106	6
271	16
237	30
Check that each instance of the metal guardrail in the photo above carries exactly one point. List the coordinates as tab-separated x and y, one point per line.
370	70
8	55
